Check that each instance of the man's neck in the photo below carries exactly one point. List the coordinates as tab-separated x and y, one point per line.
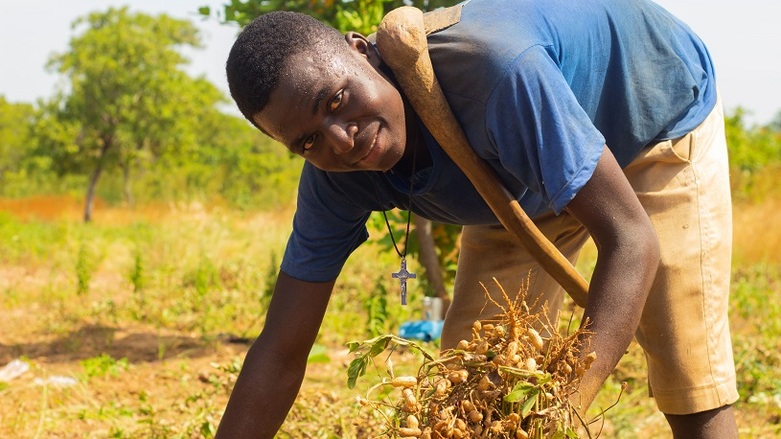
416	157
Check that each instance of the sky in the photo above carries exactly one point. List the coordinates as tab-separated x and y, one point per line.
744	39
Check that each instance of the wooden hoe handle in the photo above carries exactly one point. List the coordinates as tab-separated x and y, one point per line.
401	39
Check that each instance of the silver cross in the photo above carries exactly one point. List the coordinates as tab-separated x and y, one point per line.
402	275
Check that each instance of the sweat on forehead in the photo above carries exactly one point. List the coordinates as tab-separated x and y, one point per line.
300	69
257	57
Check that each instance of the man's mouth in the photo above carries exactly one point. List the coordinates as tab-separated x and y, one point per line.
368	150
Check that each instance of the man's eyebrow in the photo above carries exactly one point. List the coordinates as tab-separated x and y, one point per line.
317	102
319	98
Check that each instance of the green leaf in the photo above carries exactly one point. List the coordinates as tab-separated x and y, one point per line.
528	405
543	378
356	369
520	391
378	346
353	346
368	349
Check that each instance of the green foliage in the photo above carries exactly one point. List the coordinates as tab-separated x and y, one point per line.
36	287
128	101
345	15
754	298
15	139
377	310
318	354
84	267
752	151
103	365
366	350
200	154
29	242
752	148
127	90
255	171
137	273
203	277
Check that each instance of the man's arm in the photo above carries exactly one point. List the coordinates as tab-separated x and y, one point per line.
628	256
276	362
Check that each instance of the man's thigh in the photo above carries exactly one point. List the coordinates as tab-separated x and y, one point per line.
684	186
489	252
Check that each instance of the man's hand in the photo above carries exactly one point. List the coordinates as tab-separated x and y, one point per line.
628	256
275	364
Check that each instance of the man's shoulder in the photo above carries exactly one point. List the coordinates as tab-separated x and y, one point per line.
442	18
436	20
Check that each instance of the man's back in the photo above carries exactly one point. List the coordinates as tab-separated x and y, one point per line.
638	73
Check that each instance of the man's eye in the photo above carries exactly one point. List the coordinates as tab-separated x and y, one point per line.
309	142
335	101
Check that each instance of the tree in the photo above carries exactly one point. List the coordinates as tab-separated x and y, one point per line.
127	100
751	148
15	121
775	124
754	154
345	15
251	170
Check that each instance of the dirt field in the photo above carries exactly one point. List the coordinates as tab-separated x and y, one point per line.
147	313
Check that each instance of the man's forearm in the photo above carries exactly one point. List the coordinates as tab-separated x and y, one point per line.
614	308
628	256
276	363
264	392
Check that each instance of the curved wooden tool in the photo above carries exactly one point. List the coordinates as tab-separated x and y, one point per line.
401	39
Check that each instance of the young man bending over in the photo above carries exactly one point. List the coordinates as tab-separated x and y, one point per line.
602	118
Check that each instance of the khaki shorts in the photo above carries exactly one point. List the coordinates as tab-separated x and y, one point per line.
683	184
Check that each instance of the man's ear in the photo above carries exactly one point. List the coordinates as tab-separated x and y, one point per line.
364	47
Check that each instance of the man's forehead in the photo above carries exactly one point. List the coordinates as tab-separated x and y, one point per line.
306	80
291	104
303	70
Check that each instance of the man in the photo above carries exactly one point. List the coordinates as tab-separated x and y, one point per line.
601	116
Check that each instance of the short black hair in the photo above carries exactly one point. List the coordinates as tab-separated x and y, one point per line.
261	50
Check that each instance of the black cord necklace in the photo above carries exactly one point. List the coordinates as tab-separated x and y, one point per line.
402	275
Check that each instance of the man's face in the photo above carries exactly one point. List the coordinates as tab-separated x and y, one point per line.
339	111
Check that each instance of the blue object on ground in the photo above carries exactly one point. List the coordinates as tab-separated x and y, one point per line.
426	330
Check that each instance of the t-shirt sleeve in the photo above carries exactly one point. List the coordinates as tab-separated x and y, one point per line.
541	134
327	228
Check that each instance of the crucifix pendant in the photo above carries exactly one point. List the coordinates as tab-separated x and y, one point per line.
402	275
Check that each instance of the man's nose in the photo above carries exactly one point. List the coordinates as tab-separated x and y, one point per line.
341	137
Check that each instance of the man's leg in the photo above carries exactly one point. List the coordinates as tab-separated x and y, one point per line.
716	423
684	186
489	252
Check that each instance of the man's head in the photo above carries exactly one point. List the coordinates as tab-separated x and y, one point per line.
321	94
259	53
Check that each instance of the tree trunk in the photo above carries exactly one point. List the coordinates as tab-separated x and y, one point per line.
126	184
429	260
93	181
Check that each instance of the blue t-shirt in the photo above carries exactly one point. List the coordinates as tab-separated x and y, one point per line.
539	87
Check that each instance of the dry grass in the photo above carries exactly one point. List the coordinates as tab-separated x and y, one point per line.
155	346
757	232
